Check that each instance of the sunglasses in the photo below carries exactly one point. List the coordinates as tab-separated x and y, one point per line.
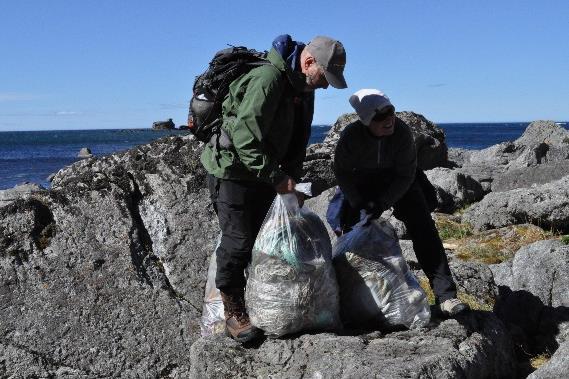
384	114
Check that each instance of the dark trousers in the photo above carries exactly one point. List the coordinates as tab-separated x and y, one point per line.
413	210
241	208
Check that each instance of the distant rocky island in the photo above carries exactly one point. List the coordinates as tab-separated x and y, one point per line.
167	125
103	275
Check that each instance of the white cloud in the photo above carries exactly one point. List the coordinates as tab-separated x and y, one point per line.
67	113
16	96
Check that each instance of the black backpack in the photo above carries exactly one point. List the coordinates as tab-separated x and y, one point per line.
211	87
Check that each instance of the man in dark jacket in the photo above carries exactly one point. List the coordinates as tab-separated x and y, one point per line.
376	163
267	115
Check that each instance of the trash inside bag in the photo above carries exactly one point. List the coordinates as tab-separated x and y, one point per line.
376	286
213	318
292	284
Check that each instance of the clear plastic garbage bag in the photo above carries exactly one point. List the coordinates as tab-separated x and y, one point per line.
376	286
213	318
292	284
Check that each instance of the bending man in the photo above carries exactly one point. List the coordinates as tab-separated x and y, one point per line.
376	163
267	116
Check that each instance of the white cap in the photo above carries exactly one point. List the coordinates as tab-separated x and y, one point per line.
367	102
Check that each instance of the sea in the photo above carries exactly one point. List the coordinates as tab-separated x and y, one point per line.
32	156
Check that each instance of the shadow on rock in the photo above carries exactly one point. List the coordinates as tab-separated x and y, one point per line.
535	328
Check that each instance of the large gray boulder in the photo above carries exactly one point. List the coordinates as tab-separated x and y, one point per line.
528	176
474	346
103	276
546	206
542	143
430	142
534	292
454	189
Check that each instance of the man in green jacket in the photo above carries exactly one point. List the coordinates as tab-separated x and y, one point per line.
267	117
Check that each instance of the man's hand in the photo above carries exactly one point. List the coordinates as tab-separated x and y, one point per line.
286	186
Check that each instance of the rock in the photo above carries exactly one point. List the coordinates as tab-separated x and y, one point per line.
556	367
475	346
482	173
22	191
528	176
319	205
409	254
318	170
543	142
457	156
454	189
502	273
475	279
85	152
104	274
546	205
183	127
163	125
534	292
429	141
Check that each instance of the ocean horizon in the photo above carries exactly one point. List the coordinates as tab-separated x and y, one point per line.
32	156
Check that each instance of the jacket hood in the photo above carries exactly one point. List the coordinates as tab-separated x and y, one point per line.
296	78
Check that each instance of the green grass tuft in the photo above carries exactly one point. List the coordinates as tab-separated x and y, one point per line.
452	230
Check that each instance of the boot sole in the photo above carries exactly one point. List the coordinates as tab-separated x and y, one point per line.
244	338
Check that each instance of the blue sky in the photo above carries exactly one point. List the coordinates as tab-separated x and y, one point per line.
124	64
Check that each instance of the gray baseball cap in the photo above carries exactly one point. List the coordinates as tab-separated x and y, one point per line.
329	54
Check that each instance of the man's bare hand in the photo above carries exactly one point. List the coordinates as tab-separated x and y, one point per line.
285	186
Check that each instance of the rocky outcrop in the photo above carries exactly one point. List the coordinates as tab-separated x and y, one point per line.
519	163
534	293
457	157
454	189
546	206
103	276
473	346
163	125
429	141
22	191
530	176
85	152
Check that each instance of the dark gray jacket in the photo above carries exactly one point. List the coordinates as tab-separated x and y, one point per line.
369	168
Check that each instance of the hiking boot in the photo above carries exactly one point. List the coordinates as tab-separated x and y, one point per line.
452	307
237	321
